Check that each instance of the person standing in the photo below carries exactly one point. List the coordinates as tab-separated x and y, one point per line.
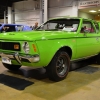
35	26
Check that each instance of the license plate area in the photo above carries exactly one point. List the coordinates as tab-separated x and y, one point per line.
6	60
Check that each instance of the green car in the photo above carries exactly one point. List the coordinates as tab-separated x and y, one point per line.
52	45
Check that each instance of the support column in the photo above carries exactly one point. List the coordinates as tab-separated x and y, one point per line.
75	9
10	15
41	11
4	17
13	15
45	10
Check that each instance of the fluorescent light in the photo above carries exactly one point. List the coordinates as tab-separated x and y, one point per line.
92	11
99	10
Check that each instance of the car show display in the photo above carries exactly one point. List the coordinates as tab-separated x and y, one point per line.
53	45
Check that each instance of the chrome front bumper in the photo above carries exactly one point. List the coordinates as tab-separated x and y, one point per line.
18	58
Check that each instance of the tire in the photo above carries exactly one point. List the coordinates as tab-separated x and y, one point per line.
11	67
58	68
98	59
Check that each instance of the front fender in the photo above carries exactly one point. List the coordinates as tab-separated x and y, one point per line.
48	48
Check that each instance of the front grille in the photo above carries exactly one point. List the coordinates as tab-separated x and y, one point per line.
9	46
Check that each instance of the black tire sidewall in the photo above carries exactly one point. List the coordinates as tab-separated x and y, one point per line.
52	70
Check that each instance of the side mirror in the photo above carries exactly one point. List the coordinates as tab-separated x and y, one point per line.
86	31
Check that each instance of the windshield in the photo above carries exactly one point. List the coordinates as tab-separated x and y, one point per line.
60	24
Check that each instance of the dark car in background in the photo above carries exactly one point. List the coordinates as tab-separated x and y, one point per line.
14	27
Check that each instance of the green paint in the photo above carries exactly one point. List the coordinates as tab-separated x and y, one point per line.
49	42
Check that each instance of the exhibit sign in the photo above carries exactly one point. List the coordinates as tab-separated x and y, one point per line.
88	4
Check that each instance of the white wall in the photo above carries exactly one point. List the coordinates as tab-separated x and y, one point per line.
27	12
85	15
59	8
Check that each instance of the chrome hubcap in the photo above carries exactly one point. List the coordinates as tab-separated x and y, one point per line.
61	66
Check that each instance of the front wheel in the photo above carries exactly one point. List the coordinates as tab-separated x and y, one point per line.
97	58
11	67
59	66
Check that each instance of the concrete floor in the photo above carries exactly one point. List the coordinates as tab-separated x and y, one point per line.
31	84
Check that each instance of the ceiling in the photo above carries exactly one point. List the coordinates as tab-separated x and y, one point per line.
4	4
86	10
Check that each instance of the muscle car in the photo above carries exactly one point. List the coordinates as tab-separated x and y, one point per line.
53	45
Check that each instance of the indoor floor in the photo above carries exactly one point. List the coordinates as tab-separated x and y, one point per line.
31	84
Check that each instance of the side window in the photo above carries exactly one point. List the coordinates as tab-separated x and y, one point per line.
97	26
87	27
19	27
5	28
11	28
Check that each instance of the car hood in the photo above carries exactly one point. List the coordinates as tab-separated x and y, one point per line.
36	35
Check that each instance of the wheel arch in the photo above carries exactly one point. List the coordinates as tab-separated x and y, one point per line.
67	49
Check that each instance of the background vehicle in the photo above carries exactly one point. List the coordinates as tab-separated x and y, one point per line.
13	27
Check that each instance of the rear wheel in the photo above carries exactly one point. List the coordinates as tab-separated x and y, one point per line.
11	67
59	66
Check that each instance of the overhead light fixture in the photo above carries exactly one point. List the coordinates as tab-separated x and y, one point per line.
99	10
92	11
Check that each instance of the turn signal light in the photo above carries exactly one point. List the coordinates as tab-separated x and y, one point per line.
16	46
34	47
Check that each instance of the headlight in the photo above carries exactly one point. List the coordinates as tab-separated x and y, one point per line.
26	47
